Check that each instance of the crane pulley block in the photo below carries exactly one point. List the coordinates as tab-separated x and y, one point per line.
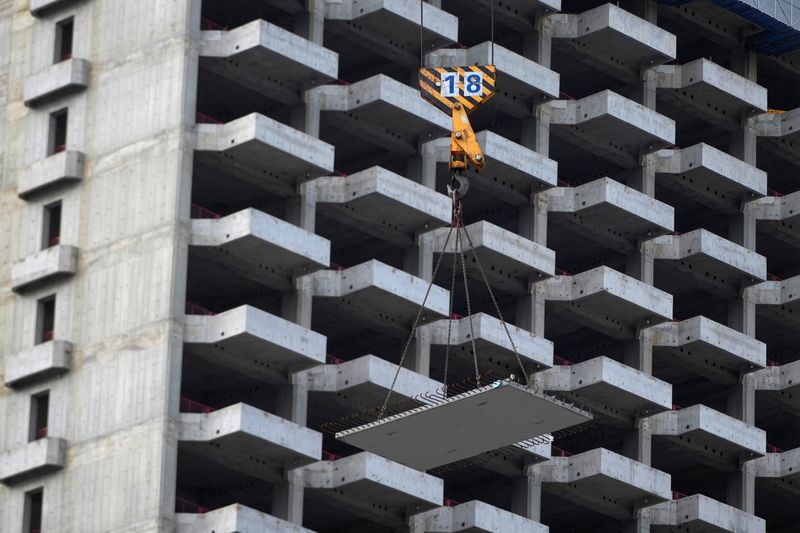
459	91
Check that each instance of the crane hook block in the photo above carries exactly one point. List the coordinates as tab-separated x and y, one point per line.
458	91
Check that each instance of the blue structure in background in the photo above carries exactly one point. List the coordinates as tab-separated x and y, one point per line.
779	20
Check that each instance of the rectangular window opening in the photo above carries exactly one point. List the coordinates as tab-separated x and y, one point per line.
45	320
40	410
64	40
58	132
33	511
51	235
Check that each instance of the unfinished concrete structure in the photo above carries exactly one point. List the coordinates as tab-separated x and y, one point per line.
219	219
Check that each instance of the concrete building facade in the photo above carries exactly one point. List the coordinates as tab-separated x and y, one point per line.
219	220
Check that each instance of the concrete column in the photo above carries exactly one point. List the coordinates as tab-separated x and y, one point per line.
641	264
645	91
532	222
311	24
741	488
536	131
638	444
640	523
643	178
531	308
526	494
296	306
301	210
742	227
292	402
538	46
639	353
742	314
287	497
418	358
742	399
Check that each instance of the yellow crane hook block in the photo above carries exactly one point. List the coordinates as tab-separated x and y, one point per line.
460	91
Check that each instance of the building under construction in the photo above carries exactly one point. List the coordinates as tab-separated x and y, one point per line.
219	222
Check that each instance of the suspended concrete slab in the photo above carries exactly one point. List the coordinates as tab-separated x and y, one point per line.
465	425
710	176
268	59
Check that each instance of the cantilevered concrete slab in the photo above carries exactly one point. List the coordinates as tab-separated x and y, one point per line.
380	295
780	217
612	127
614	40
391	28
268	59
46	266
710	177
382	111
511	461
508	260
512	172
781	385
32	459
518	15
701	514
63	78
39	363
444	432
710	92
361	384
707	261
249	440
254	342
494	348
778	300
58	169
709	349
710	437
606	482
781	132
525	83
781	471
472	517
609	388
264	152
382	203
374	487
608	301
260	247
234	519
611	213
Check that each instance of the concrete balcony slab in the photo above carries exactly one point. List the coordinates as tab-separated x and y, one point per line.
781	133
373	487
508	260
511	461
391	28
57	169
701	514
39	363
45	266
249	440
518	15
268	59
473	517
56	81
780	217
260	247
609	388
234	519
778	301
492	343
780	471
264	152
780	385
380	295
253	342
380	111
709	349
710	177
32	459
608	301
706	261
710	437
614	40
590	122
382	203
361	384
606	482
710	92
613	214
512	172
40	8
525	82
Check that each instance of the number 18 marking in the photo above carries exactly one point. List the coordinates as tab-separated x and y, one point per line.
473	84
